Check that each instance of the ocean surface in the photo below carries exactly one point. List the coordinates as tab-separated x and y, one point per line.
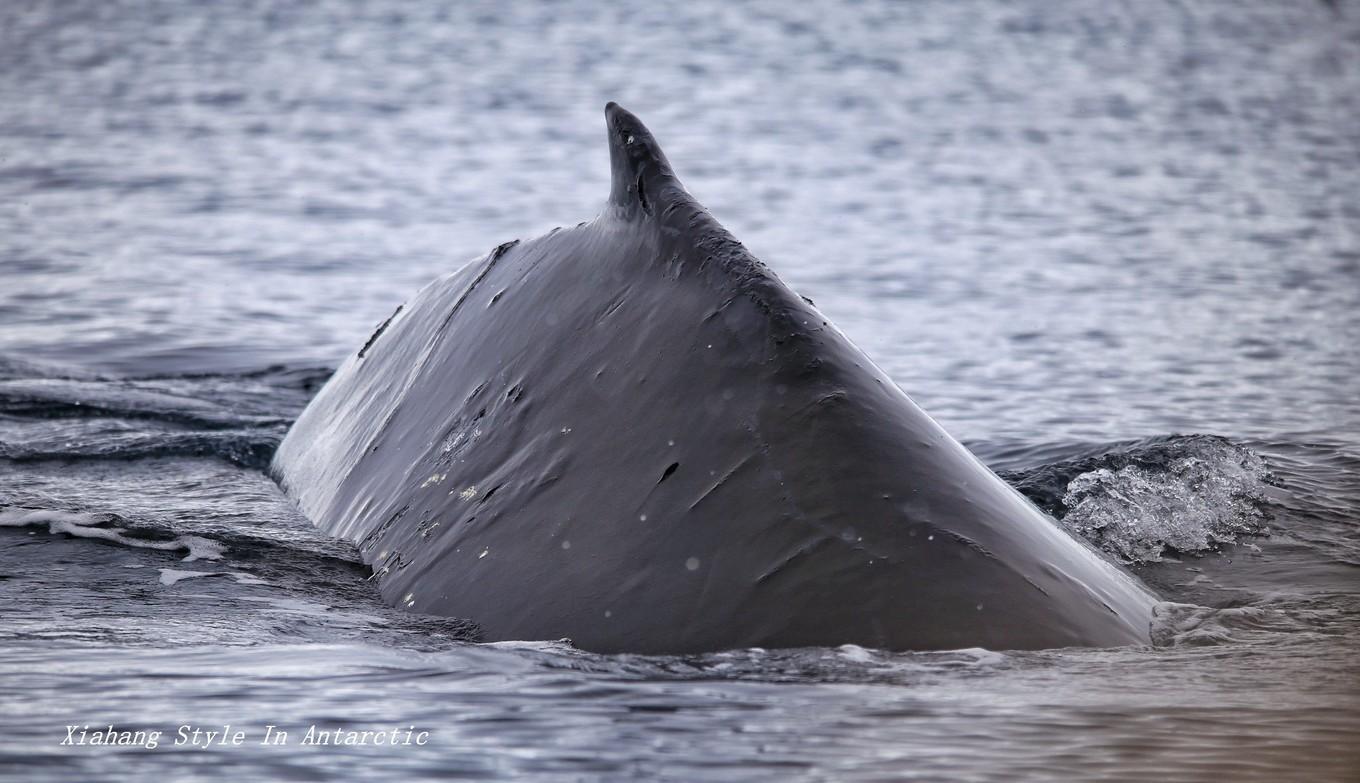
1113	248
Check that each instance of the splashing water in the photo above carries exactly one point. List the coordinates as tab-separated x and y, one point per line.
1197	502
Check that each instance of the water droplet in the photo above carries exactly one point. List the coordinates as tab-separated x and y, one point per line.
566	545
608	613
692	564
643	517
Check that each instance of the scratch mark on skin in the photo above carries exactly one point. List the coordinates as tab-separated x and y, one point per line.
745	460
987	553
396	559
966	541
382	327
371	539
496	254
614	305
674	466
428	524
797	554
489	493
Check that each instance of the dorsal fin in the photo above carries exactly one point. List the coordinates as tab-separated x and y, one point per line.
638	165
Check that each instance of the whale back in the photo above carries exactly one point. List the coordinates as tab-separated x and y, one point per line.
632	434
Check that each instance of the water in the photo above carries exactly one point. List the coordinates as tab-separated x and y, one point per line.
1116	250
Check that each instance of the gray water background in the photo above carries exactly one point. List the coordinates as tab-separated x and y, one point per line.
1072	232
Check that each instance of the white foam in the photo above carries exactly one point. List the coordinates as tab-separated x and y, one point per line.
295	606
1199	501
170	576
201	548
88	526
246	579
21	517
853	652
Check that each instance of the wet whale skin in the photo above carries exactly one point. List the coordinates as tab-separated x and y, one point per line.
632	434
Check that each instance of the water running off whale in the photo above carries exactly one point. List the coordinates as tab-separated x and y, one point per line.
633	435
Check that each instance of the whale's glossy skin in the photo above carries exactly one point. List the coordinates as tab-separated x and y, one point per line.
633	435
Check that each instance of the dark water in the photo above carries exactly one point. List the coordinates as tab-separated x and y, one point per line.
1116	250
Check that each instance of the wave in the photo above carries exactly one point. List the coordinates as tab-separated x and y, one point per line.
241	417
1191	625
55	398
251	449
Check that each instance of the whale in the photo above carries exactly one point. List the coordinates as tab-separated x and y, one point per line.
632	434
